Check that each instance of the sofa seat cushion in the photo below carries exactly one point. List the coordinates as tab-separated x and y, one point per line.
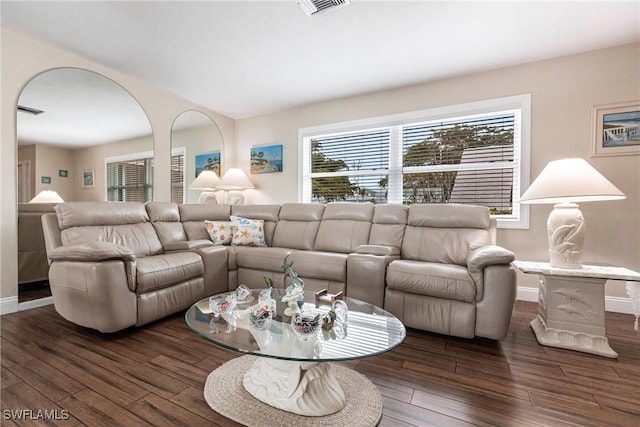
267	259
448	281
320	265
160	271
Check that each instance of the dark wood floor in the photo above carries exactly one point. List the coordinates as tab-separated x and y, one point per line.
154	375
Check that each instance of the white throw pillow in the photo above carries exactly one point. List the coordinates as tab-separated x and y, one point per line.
220	232
247	232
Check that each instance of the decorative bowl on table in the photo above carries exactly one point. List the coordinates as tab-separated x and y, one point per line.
260	317
306	325
222	304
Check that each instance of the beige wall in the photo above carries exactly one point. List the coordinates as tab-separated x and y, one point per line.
49	160
563	92
22	59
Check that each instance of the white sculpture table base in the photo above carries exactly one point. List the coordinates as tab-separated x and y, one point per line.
571	305
571	315
303	388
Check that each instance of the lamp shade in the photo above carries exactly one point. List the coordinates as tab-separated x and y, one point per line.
207	180
235	179
47	196
570	181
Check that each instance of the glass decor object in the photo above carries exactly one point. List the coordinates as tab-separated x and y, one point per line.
260	317
222	304
242	292
341	311
305	326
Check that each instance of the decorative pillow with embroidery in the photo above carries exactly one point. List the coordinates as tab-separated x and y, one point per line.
247	232
220	232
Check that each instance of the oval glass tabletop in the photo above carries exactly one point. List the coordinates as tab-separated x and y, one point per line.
368	331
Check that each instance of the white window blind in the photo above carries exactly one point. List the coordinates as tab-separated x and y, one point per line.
469	154
177	178
130	180
466	160
350	166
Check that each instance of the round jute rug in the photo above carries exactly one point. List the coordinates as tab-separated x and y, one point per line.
226	395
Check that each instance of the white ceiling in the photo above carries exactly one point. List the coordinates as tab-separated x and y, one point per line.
247	58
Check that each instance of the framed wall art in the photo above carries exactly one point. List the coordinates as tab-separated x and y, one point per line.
208	161
616	129
88	178
266	159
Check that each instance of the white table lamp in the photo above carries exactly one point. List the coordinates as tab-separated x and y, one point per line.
47	196
233	182
206	182
564	183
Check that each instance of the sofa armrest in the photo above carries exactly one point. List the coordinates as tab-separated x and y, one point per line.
92	252
187	245
366	276
378	250
480	258
494	309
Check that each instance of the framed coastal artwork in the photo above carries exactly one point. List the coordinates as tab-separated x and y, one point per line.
266	159
616	129
208	161
88	176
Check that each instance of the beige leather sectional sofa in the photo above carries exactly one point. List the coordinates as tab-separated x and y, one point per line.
436	267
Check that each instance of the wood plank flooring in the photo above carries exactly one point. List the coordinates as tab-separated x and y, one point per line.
154	375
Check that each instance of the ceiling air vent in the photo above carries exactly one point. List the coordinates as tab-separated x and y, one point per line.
311	7
29	110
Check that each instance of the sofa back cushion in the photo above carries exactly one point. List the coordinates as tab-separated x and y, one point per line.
344	227
194	215
445	233
389	222
165	219
267	213
298	225
123	223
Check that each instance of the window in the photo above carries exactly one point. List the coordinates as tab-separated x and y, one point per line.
471	153
177	175
130	177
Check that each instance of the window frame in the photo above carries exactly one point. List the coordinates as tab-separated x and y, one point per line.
395	121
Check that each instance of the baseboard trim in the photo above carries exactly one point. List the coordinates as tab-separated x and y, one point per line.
614	304
41	302
11	304
8	305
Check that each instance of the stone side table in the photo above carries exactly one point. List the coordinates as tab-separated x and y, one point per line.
571	305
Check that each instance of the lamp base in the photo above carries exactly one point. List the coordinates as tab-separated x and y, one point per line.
235	197
566	231
208	197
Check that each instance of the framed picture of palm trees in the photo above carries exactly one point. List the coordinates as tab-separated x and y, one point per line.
209	162
266	159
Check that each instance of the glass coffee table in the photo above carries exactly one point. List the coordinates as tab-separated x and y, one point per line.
291	373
